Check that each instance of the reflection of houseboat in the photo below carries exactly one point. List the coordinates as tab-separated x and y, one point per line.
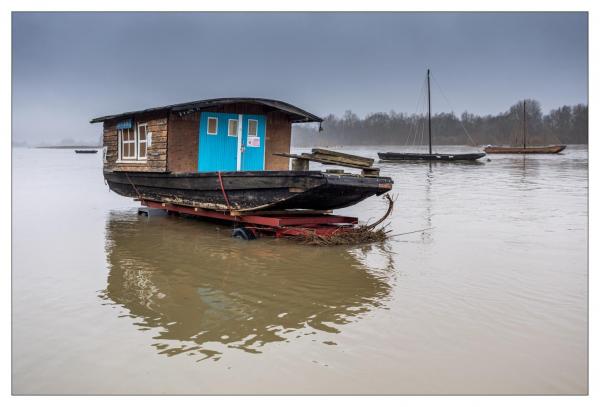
219	154
199	292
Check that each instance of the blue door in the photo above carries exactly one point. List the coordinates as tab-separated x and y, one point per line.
253	142
218	142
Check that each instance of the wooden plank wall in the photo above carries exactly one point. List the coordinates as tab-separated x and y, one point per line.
157	152
279	138
183	142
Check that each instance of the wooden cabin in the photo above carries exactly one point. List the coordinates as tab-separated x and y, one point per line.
228	134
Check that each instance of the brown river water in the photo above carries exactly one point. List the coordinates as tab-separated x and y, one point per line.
490	299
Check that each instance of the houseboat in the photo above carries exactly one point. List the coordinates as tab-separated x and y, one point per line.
222	154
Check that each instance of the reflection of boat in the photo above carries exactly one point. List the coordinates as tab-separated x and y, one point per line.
431	156
553	149
205	292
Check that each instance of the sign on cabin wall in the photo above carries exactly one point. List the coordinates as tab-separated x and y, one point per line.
253	141
125	124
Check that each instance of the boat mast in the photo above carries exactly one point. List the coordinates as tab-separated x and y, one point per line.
429	109
524	125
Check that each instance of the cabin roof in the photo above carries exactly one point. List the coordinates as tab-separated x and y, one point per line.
297	115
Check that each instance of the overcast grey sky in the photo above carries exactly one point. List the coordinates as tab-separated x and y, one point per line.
70	67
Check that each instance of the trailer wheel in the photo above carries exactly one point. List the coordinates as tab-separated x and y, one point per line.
243	233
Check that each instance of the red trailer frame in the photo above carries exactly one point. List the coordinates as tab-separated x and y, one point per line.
276	224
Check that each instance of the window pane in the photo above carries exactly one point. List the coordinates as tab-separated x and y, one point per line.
142	132
212	125
233	127
128	135
142	150
252	127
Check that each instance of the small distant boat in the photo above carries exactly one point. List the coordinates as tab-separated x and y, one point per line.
431	156
551	149
86	151
525	150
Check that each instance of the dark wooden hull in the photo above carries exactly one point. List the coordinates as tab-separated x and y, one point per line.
429	157
250	190
524	150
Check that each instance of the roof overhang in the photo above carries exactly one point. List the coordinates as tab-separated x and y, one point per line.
296	114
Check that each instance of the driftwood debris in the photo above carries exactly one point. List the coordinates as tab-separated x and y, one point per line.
358	235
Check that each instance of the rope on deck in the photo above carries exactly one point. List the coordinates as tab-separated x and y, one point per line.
223	190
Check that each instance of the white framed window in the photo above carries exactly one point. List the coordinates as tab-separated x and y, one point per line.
232	127
133	142
252	128
127	144
212	126
142	141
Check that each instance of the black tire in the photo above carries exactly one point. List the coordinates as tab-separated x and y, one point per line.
242	233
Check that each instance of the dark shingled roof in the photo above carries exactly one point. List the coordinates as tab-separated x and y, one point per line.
297	115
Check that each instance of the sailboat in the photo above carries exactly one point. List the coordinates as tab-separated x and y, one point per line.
552	149
431	156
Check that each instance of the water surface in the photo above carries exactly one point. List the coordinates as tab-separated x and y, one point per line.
490	298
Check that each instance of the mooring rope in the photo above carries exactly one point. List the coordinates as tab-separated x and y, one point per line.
133	185
223	190
453	110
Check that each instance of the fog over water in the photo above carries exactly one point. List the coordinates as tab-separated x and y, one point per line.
70	67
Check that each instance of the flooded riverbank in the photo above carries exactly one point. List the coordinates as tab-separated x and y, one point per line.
491	298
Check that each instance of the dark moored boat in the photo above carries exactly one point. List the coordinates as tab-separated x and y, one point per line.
431	156
86	151
553	149
224	154
250	190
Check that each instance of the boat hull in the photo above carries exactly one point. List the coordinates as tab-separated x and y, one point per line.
525	150
429	157
250	190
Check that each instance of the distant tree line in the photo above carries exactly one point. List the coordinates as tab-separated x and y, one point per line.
566	125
